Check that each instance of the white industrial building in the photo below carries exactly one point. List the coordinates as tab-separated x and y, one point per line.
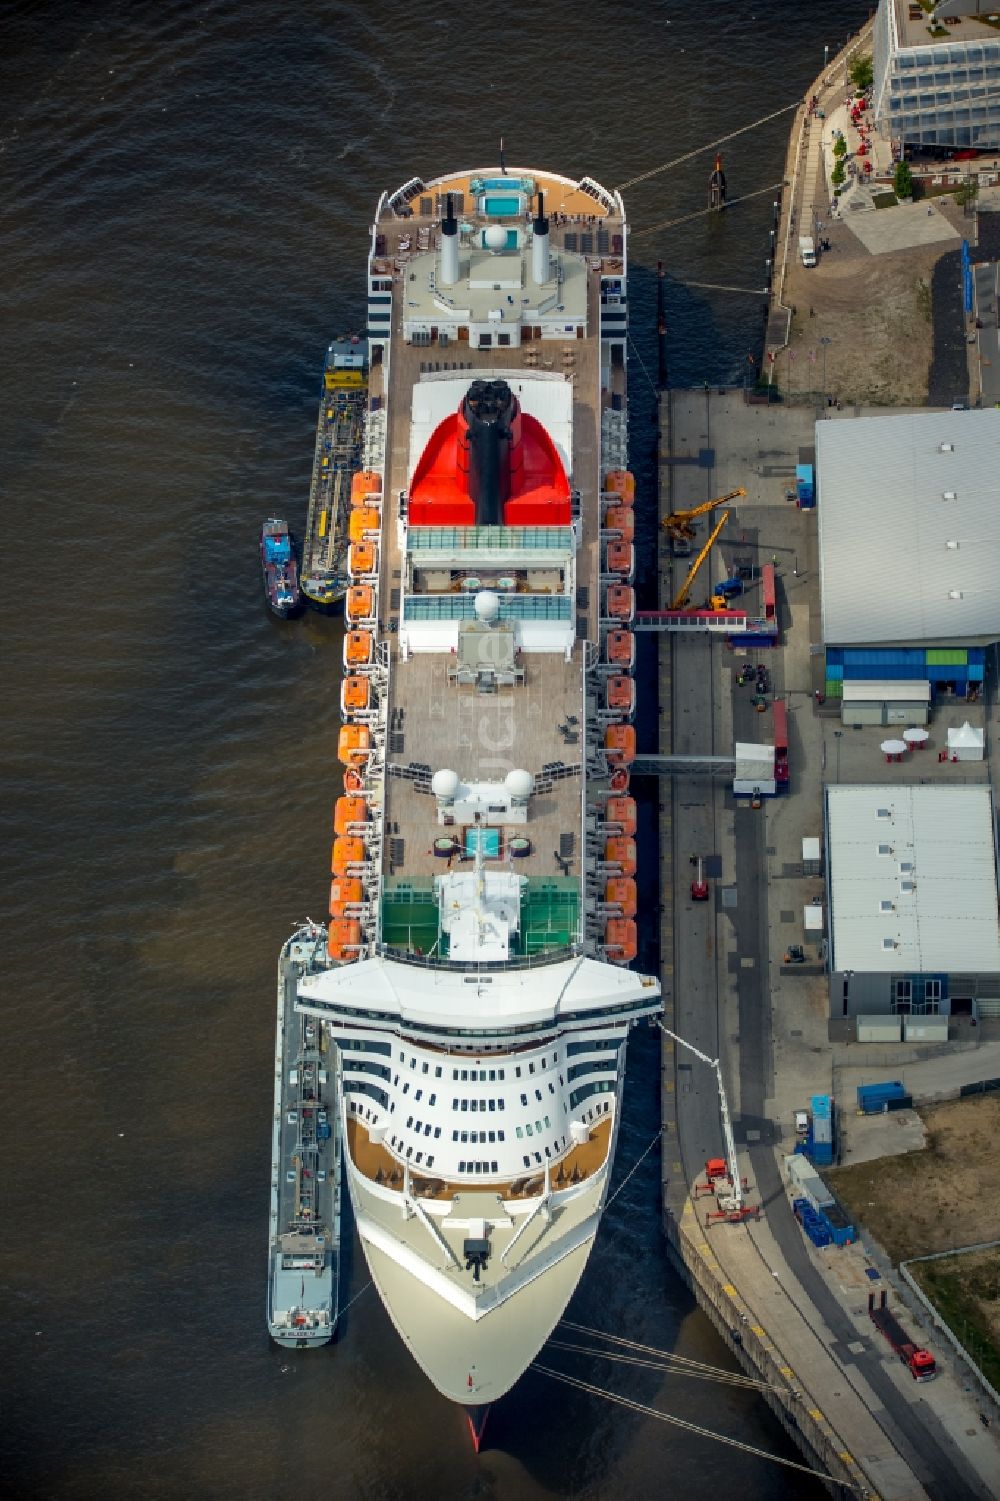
909	537
912	916
937	78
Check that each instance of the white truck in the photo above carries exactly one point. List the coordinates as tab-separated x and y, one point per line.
807	250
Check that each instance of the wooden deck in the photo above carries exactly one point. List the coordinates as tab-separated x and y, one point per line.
377	1163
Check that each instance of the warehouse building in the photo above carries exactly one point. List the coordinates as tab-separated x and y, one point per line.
912	921
909	542
937	81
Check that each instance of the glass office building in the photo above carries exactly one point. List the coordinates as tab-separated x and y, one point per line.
938	90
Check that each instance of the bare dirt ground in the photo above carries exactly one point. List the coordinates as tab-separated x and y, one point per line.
948	1195
876	312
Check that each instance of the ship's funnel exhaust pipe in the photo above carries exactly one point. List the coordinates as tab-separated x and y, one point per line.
477	1423
448	264
489	410
540	245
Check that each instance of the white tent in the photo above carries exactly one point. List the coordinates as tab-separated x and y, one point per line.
966	743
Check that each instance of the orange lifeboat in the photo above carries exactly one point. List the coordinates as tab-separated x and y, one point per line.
621	482
344	938
618	850
348	849
354	744
621	940
619	647
366	482
619	693
358	648
355	782
363	519
621	519
620	558
619	602
621	892
362	559
619	780
622	811
348	810
355	693
360	602
619	743
344	891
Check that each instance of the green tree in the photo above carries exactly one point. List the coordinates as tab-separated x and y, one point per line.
903	180
840	147
862	73
838	175
967	192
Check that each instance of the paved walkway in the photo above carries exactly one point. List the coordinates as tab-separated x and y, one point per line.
728	996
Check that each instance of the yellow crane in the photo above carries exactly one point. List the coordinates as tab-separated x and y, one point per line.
681	598
680	523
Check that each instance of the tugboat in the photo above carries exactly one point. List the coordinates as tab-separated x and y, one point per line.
279	568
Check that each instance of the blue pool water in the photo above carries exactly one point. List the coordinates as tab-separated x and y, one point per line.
502	208
488	840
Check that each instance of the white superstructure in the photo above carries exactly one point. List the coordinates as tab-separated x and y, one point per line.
484	901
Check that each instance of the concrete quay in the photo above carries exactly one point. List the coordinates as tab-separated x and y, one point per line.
796	1317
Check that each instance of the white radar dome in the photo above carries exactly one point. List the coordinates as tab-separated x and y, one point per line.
487	605
495	237
519	783
444	783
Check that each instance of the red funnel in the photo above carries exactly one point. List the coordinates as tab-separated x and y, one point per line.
476	1417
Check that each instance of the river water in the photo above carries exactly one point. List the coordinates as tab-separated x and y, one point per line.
186	190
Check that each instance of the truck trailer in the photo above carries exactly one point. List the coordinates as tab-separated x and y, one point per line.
919	1362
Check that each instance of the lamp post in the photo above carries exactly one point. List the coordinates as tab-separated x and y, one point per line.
824	341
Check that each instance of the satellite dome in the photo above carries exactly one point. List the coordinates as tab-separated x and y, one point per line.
487	605
444	783
495	237
519	783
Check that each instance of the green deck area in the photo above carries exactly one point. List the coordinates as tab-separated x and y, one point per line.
550	914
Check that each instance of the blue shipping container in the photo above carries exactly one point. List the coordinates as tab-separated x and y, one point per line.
822	1153
822	1118
872	1097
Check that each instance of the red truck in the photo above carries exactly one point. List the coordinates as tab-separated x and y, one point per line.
920	1363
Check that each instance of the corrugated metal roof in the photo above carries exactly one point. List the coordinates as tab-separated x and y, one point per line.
888	573
913	883
916	691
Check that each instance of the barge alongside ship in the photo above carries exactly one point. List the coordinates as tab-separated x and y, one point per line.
475	978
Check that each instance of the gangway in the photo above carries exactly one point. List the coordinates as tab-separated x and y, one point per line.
339	436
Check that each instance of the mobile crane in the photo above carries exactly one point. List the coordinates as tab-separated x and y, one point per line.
680	524
681	597
723	1174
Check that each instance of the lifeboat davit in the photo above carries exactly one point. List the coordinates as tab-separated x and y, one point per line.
348	810
621	892
618	850
621	519
366	483
348	849
343	938
620	558
619	602
360	602
355	693
362	559
345	891
622	811
621	940
621	482
619	693
619	647
354	744
619	744
364	519
359	647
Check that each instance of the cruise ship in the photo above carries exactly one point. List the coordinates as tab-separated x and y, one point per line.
476	974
